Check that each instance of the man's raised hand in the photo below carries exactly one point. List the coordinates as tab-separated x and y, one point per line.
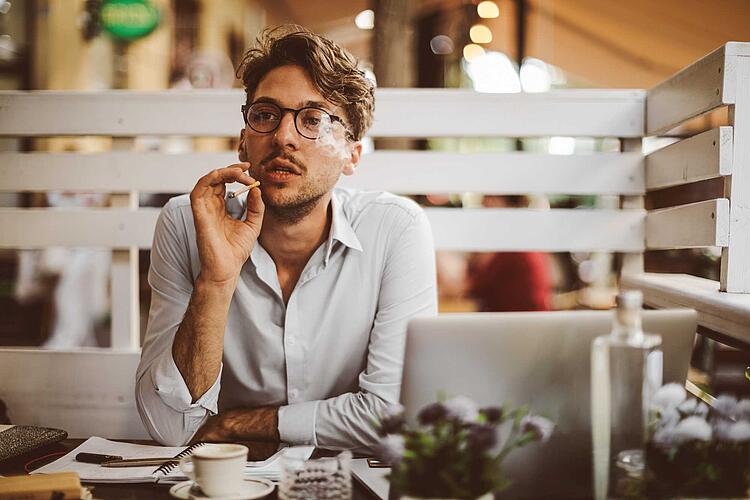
224	243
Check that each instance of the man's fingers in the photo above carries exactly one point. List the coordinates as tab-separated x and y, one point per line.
255	209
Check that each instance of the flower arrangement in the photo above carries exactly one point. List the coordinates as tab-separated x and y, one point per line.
455	450
695	450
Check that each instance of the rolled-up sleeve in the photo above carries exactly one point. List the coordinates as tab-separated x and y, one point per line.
163	399
408	289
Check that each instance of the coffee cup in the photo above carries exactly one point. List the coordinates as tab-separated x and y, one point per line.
216	468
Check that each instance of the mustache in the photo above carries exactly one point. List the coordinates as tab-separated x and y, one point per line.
283	156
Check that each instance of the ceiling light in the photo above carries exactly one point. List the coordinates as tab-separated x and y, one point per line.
365	20
480	34
472	51
493	72
488	10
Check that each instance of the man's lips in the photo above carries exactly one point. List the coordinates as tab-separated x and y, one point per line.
281	165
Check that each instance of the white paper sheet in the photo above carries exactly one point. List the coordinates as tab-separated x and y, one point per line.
95	473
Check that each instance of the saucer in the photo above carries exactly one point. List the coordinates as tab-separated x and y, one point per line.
252	488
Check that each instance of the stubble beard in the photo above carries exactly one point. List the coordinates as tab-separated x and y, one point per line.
294	210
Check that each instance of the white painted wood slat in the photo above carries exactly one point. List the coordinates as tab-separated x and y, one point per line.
407	172
704	85
108	172
701	224
88	392
726	313
458	113
109	228
454	229
400	113
704	156
541	230
414	172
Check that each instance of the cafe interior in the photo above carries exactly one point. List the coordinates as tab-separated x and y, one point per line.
584	167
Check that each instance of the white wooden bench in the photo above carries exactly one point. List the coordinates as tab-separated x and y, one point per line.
51	388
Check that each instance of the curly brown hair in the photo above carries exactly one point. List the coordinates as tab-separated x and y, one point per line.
332	68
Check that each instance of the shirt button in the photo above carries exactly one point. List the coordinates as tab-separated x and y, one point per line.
293	393
290	341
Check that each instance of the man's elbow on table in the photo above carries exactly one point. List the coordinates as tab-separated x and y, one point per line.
164	424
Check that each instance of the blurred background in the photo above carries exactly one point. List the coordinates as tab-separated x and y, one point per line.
59	297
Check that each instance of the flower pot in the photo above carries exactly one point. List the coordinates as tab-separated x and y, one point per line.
486	496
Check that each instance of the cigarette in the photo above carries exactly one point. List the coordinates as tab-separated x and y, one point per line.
235	194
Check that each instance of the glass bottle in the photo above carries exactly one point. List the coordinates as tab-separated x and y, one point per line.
626	370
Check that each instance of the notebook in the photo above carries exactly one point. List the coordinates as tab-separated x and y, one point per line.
166	474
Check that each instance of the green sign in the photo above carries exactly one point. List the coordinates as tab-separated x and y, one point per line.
129	19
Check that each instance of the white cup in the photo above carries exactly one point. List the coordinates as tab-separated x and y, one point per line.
216	468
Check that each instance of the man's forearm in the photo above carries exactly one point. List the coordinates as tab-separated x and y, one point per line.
199	341
241	424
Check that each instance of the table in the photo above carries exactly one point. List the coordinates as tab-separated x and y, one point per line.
124	491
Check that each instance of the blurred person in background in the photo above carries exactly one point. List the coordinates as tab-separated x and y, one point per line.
80	277
509	281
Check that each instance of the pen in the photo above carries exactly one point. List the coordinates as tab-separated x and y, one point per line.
118	461
234	194
139	462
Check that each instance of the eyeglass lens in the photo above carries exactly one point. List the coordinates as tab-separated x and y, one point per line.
310	122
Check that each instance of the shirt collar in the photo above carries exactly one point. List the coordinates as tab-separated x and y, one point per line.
341	228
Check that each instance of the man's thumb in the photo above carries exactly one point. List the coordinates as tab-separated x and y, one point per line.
255	208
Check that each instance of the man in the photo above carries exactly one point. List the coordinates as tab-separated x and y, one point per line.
280	315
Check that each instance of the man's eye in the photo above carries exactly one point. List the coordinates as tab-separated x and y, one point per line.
263	116
312	121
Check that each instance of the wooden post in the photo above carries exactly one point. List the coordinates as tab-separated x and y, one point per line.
124	285
735	258
632	263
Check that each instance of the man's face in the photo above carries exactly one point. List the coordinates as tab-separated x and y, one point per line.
295	171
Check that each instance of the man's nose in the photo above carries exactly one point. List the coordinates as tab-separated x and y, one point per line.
286	135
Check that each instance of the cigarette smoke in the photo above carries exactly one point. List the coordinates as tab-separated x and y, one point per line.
330	144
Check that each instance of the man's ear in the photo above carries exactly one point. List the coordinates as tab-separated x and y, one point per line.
241	148
351	162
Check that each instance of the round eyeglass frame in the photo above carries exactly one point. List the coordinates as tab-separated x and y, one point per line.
246	107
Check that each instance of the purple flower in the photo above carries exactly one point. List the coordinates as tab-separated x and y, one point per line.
721	428
692	428
669	396
493	414
392	424
392	448
541	427
461	409
693	407
669	417
482	437
431	414
739	432
665	435
726	406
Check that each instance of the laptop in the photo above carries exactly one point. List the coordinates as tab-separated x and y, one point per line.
540	359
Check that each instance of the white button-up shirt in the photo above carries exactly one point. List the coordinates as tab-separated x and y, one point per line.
331	358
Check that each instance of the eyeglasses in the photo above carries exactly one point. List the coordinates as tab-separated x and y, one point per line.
265	117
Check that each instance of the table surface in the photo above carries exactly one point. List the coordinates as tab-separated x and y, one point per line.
121	491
